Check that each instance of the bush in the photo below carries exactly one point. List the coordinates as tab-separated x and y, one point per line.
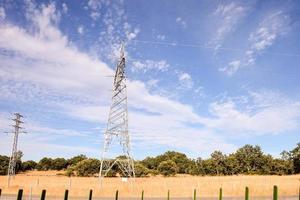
59	164
87	167
76	159
153	172
45	164
70	171
140	170
4	161
168	168
28	165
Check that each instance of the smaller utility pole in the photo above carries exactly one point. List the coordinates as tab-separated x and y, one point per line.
13	159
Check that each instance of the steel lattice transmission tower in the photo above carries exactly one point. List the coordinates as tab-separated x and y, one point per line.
13	159
117	126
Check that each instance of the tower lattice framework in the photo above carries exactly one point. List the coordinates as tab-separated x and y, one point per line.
117	126
14	153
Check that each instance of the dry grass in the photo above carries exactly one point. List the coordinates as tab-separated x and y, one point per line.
181	186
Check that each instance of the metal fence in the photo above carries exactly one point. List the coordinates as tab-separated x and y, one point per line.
43	196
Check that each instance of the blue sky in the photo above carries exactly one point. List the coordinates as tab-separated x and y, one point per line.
202	75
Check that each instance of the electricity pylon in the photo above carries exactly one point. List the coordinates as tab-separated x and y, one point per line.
13	159
117	126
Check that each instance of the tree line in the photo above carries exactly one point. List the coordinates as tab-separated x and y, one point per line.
248	159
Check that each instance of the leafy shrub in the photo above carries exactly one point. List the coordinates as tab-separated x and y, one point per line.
87	167
28	165
4	161
168	168
140	170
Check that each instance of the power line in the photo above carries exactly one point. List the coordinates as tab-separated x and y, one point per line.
174	44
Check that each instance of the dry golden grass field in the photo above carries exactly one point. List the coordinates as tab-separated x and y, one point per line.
179	186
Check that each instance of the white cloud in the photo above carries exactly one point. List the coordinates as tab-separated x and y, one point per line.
71	83
152	82
185	80
161	37
273	25
232	67
264	115
95	6
64	8
227	18
129	32
2	13
146	65
181	22
80	30
116	28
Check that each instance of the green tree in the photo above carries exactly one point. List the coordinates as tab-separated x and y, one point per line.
18	166
4	161
45	164
151	163
87	167
218	160
295	157
231	165
250	159
28	165
167	168
76	159
59	164
140	170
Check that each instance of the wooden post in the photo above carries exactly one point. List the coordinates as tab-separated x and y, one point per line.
43	195
117	195
195	194
220	194
247	193
168	198
20	194
0	192
91	195
66	194
142	195
275	192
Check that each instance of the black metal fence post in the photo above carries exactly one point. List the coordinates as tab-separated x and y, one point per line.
117	195
20	194
66	194
91	195
43	195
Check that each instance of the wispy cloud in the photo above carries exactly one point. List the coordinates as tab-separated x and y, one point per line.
2	13
80	29
72	75
64	8
185	80
273	26
262	114
41	66
146	65
181	22
227	18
